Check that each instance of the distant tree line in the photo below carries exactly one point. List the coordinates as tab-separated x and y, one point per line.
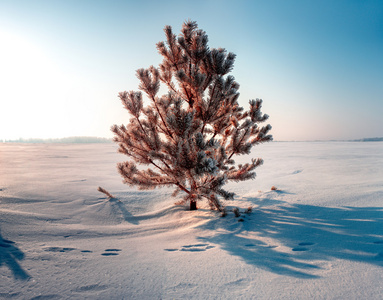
375	139
66	140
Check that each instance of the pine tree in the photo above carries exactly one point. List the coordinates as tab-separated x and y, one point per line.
190	135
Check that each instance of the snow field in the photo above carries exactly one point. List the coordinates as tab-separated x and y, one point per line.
318	236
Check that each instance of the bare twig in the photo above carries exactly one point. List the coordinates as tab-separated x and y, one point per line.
100	189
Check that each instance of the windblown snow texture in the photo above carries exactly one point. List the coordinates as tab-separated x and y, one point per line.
318	236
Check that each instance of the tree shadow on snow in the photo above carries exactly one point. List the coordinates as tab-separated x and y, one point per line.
9	256
120	208
295	240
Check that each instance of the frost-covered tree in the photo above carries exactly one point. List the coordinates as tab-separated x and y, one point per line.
189	136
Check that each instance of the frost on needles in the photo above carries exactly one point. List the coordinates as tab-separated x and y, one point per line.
190	136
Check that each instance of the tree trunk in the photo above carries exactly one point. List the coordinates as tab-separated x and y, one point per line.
193	205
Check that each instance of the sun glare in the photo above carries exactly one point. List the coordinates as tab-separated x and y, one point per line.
28	77
21	61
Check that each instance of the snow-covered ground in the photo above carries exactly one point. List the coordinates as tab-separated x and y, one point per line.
319	236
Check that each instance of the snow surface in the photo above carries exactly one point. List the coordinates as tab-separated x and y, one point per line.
319	236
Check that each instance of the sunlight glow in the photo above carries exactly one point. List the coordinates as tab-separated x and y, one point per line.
28	79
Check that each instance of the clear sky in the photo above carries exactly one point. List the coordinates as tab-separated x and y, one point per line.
318	65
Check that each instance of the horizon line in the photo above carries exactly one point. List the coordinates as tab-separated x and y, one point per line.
96	139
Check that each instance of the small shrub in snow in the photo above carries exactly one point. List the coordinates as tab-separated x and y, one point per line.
248	210
189	136
273	188
236	212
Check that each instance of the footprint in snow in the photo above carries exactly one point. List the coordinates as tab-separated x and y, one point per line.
59	249
302	248
65	249
111	252
192	248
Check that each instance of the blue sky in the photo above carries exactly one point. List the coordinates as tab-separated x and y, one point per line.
318	65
